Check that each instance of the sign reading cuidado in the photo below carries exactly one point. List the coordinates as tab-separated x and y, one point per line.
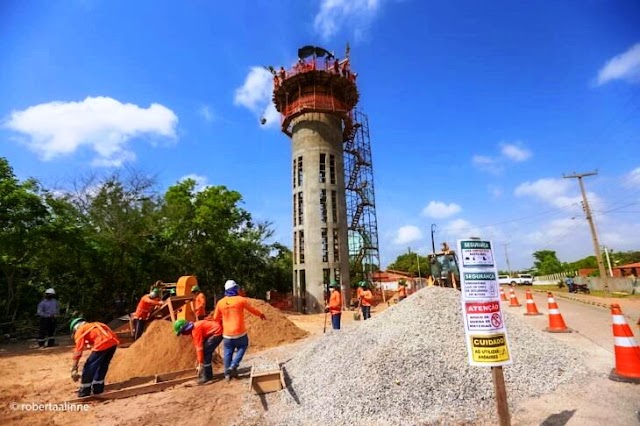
484	327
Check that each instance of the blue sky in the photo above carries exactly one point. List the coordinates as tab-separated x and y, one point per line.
476	109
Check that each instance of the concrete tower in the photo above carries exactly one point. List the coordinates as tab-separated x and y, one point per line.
316	98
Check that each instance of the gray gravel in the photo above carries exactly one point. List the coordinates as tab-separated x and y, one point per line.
408	366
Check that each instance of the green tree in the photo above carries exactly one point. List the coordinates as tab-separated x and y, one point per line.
410	262
547	262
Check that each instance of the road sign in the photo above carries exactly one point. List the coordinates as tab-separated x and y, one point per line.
485	331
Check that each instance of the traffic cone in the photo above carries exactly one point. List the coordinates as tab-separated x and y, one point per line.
556	323
532	309
513	300
503	295
626	348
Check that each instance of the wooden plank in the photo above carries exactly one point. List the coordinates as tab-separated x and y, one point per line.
137	381
133	391
501	396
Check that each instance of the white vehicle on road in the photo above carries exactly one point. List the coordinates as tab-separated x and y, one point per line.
522	279
504	279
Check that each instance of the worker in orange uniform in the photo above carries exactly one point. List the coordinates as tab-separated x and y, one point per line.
206	336
230	310
103	345
402	291
334	307
366	298
145	306
200	302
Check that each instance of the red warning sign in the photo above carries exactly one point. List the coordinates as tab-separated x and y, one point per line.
483	316
482	307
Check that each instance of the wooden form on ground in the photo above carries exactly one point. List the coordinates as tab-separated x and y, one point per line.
267	381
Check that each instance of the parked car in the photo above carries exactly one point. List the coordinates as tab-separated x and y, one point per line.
504	279
521	279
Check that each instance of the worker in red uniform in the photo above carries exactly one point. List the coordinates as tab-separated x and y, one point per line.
206	336
103	344
200	304
230	310
334	307
146	304
366	299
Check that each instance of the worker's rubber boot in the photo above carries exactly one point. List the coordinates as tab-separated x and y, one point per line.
84	391
206	375
233	372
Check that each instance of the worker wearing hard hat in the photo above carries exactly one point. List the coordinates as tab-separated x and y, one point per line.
48	310
366	298
146	304
334	307
103	344
402	291
230	310
200	304
206	336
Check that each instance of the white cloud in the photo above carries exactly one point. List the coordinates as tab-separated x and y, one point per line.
201	181
255	95
208	114
101	123
487	164
354	14
408	234
548	189
625	66
440	210
633	178
515	152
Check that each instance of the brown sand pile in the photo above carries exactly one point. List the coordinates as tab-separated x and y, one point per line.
275	331
158	351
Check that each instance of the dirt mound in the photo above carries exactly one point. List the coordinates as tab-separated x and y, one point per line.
275	331
159	350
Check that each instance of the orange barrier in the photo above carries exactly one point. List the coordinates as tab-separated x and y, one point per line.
532	309
513	300
556	322
503	295
626	348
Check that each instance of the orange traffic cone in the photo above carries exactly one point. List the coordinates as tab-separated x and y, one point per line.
513	300
556	323
532	309
503	295
626	348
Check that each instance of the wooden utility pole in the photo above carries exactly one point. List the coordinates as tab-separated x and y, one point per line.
592	225
506	255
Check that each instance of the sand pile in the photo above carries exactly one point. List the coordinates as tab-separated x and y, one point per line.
275	331
158	351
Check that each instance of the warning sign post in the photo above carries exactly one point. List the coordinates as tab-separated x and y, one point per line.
485	330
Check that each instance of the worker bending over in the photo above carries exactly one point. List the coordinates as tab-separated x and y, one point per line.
334	307
200	303
103	344
366	298
402	291
206	336
230	310
146	304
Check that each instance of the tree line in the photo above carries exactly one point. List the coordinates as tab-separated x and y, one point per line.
111	237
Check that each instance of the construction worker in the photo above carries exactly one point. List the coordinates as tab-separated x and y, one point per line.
200	303
145	306
230	310
206	335
402	291
366	298
103	344
334	307
48	310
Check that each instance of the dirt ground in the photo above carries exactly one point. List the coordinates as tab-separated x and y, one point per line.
42	376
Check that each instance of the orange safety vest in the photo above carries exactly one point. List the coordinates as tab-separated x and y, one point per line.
202	330
335	302
230	310
200	305
145	306
96	334
402	291
367	297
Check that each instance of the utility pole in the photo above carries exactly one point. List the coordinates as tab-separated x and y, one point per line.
592	225
606	253
506	254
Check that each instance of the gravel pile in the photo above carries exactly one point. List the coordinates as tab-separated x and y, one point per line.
408	366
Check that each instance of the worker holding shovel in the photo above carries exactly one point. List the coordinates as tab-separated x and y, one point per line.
366	298
206	335
334	307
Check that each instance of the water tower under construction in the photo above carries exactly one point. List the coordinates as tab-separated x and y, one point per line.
316	99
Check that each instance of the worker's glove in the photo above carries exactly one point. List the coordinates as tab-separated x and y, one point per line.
199	369
263	317
74	374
